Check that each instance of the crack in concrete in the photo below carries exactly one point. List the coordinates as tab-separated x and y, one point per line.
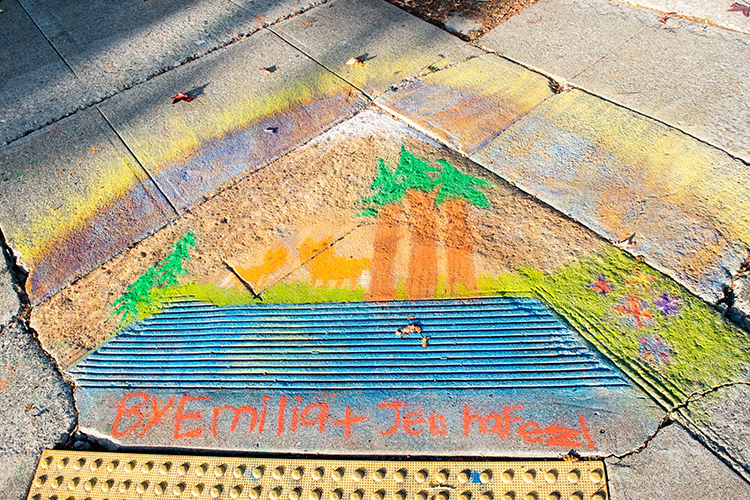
244	282
137	160
298	49
18	274
302	264
18	277
669	419
432	68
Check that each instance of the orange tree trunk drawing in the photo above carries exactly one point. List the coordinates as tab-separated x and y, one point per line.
457	192
419	184
421	282
382	286
385	204
411	176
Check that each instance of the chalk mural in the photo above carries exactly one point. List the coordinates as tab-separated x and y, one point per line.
372	292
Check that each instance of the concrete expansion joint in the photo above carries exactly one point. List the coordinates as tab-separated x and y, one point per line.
567	85
183	62
429	71
309	56
614	50
124	144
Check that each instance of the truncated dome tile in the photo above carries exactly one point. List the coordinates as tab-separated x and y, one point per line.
73	475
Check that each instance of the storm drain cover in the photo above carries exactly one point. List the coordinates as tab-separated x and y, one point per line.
73	475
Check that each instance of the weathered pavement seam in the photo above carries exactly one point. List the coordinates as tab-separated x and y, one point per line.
182	63
137	160
36	25
669	419
298	49
623	44
403	83
302	264
19	275
569	85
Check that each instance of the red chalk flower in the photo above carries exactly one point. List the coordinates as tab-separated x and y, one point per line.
637	309
602	285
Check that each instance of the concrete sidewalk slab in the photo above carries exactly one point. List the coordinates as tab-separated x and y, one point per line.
723	417
242	117
673	465
36	86
392	45
467	105
717	12
9	303
113	46
562	38
38	409
72	197
624	175
692	77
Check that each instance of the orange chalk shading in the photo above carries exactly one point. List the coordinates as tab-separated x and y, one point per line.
325	266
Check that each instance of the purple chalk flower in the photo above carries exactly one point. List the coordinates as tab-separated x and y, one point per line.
668	304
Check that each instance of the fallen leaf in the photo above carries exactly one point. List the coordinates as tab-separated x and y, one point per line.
424	341
3	383
410	318
181	97
354	61
735	7
28	408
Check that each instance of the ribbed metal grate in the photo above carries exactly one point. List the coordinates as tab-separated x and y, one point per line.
475	343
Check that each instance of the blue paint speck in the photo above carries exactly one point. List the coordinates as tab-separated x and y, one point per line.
475	477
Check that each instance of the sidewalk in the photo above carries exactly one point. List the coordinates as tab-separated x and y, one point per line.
588	154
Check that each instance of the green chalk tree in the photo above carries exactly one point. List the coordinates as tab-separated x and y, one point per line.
166	273
457	192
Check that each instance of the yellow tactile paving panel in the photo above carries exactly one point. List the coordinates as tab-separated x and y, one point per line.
72	475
